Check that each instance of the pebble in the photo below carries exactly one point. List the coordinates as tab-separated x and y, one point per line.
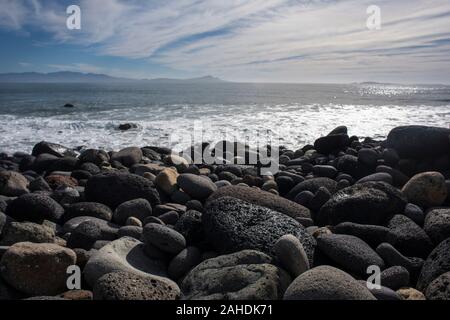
415	213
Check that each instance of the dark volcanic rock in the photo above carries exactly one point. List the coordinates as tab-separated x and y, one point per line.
27	232
87	233
439	289
128	156
113	189
53	149
437	224
190	226
313	186
372	234
34	208
163	238
393	257
395	277
437	263
331	143
244	275
138	208
406	236
326	283
262	198
90	209
419	141
365	203
349	252
13	184
231	225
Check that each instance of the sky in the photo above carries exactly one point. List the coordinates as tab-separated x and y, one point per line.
312	41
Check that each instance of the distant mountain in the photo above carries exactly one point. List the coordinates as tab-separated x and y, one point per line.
76	77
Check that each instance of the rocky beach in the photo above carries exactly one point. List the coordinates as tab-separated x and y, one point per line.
344	218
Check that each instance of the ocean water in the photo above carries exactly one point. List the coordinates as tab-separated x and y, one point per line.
168	114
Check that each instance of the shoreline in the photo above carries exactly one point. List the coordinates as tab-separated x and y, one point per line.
308	228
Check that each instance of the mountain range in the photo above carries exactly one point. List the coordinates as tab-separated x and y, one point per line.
76	77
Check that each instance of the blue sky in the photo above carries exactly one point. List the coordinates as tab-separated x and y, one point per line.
239	40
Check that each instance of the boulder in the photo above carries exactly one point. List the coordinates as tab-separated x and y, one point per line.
13	184
426	189
437	224
53	149
35	208
128	156
331	143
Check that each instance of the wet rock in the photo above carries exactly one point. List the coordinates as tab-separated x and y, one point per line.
245	275
380	176
94	156
34	208
426	189
127	126
368	156
13	184
325	171
331	143
53	149
326	283
313	185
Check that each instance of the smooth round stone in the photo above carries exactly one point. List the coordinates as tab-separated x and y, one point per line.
373	235
437	224
138	208
292	255
415	213
411	294
37	268
325	171
153	219
222	183
395	277
313	185
426	189
167	180
126	286
164	238
380	176
180	197
304	197
27	232
183	262
439	289
349	252
34	208
390	157
383	293
170	217
320	198
284	185
134	222
13	184
194	205
91	209
331	143
88	232
326	283
124	254
198	187
128	156
71	225
368	156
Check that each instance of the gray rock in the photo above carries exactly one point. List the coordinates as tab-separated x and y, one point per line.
364	203
415	213
437	263
198	187
164	238
130	231
325	171
13	184
53	149
373	235
232	225
426	189
191	227
439	289
245	275
183	262
88	232
313	185
291	254
380	176
128	156
326	283
125	254
331	143
90	209
350	252
114	189
437	224
71	225
27	232
138	208
34	208
394	258
37	268
263	199
406	236
368	156
382	293
128	286
395	277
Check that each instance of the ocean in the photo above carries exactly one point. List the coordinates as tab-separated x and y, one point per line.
165	114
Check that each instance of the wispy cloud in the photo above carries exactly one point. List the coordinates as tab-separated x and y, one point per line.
291	40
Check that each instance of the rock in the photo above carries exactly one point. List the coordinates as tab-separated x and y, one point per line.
184	262
368	157
439	288
371	234
437	224
138	208
350	165
390	157
232	225
88	209
399	179
127	126
135	222
326	283
437	263
170	217
27	232
125	254
382	293
395	277
426	189
263	199
364	203
331	143
128	156
94	156
77	295
179	162
320	198
37	268
394	258
130	231
380	176
88	232
349	252
13	184
198	187
313	185
245	275
167	180
164	238
53	149
304	197
39	184
415	213
339	130
411	294
58	181
419	141
406	236
69	105
127	286
71	225
325	171
291	255
34	208
191	227
114	189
